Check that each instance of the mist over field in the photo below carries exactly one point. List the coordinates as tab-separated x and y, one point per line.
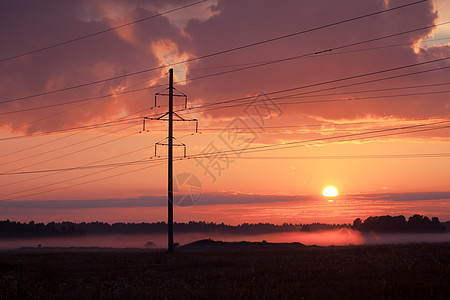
340	237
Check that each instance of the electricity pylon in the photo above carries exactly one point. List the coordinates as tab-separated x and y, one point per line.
169	116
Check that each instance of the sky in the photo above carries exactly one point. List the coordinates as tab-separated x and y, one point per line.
282	101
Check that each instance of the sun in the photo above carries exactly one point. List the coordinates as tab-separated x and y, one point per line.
330	191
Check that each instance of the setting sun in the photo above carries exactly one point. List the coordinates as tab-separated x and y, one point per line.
330	191
153	132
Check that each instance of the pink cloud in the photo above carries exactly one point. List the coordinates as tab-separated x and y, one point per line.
207	30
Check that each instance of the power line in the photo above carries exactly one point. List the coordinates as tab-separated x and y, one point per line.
347	137
92	98
85	127
361	98
80	100
130	120
322	101
306	31
334	81
133	120
143	89
383	122
52	141
213	154
250	98
247	150
379	90
331	51
214	54
78	106
100	32
88	128
358	83
44	143
78	184
119	121
251	150
328	51
367	156
73	152
283	146
67	169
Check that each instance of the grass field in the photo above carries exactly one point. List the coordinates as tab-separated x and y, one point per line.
415	271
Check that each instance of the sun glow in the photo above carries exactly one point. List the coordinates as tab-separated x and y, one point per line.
330	191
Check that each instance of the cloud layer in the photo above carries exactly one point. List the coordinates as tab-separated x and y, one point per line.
213	199
208	28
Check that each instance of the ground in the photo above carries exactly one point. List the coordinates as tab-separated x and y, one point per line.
253	271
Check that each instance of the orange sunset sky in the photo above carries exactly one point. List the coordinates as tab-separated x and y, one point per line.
289	98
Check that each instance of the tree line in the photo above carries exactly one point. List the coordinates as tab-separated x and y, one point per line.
10	229
416	223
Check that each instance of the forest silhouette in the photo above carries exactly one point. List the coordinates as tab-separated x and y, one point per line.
383	224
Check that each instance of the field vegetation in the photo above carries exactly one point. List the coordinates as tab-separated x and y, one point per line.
208	270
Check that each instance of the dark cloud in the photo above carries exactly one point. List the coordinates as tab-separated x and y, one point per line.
152	201
28	25
103	56
414	196
212	199
146	201
242	23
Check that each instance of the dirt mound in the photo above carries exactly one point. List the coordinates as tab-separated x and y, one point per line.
212	244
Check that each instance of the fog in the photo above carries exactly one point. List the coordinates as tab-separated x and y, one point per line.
325	238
